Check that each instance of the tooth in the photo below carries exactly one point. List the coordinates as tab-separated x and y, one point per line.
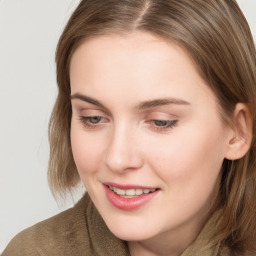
120	192
139	191
130	192
146	191
128	196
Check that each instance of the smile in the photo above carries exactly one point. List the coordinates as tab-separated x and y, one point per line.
128	197
131	193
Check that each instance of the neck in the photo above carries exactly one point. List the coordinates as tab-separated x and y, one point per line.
170	243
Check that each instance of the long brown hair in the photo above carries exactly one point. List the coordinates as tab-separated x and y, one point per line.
217	37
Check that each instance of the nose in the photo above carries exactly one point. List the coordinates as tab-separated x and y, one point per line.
123	151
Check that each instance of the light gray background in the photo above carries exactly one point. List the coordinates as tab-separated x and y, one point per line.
29	30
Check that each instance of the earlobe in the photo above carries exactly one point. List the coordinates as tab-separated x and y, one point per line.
241	133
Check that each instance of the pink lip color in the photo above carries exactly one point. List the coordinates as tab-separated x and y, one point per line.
128	203
130	186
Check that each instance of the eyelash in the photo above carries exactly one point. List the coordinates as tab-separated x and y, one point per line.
168	124
157	124
86	120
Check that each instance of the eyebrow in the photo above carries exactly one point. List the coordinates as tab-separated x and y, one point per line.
143	105
161	102
86	99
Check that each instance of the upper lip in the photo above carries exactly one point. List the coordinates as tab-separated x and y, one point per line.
127	186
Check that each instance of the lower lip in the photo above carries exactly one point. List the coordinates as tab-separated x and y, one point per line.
128	203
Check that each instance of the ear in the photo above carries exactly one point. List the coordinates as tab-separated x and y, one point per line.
240	133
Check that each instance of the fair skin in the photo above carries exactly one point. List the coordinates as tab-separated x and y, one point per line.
143	116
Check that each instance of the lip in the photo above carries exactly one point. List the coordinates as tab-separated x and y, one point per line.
128	204
128	186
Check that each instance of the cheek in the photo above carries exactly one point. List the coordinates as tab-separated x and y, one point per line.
189	168
188	157
86	151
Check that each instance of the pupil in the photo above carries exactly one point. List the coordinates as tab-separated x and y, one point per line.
95	119
161	122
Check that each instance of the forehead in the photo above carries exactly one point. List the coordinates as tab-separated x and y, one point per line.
139	61
142	47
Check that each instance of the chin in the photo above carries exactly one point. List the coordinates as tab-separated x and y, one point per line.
131	232
131	236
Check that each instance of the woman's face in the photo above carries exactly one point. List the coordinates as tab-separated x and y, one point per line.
147	126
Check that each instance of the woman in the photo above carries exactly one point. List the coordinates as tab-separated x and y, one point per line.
156	116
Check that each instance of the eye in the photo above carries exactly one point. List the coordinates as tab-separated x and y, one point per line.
162	125
92	121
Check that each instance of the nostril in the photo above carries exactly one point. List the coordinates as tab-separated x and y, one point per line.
123	161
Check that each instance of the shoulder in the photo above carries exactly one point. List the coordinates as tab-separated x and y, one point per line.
58	235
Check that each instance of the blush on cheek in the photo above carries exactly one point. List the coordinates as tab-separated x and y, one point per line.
190	156
85	152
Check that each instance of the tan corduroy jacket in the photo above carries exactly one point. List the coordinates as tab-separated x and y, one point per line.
80	231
